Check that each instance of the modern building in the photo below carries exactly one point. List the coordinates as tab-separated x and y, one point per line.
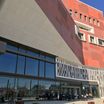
51	50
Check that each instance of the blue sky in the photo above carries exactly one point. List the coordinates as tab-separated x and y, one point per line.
99	4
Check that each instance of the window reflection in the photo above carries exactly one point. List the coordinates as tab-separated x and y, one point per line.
41	69
34	88
8	62
31	67
43	89
90	90
13	62
21	64
46	90
23	87
42	56
50	70
49	58
32	53
11	47
22	50
7	87
95	91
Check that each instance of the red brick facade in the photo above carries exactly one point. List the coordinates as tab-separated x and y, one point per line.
93	54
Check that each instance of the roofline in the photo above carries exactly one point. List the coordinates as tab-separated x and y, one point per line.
91	6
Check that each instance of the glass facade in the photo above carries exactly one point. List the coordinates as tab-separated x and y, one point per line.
38	89
24	70
8	62
41	89
31	67
20	64
42	69
22	61
50	70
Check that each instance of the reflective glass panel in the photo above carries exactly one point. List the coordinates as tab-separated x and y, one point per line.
22	50
34	88
7	87
31	67
8	62
11	47
50	70
41	69
42	56
49	58
21	64
3	82
23	87
32	53
46	90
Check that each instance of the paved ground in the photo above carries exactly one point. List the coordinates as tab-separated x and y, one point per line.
96	101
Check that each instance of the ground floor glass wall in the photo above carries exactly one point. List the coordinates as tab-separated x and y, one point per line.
41	89
36	89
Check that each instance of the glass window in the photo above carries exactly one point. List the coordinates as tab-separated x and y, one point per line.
10	83
92	39
11	47
23	83
85	89
50	70
8	62
3	82
23	87
49	58
82	36
95	91
21	64
34	88
31	67
47	90
22	50
101	42
32	53
42	89
7	87
42	56
41	70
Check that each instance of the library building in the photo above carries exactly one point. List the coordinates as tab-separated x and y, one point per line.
51	50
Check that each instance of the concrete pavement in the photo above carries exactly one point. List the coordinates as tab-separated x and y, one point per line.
96	101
